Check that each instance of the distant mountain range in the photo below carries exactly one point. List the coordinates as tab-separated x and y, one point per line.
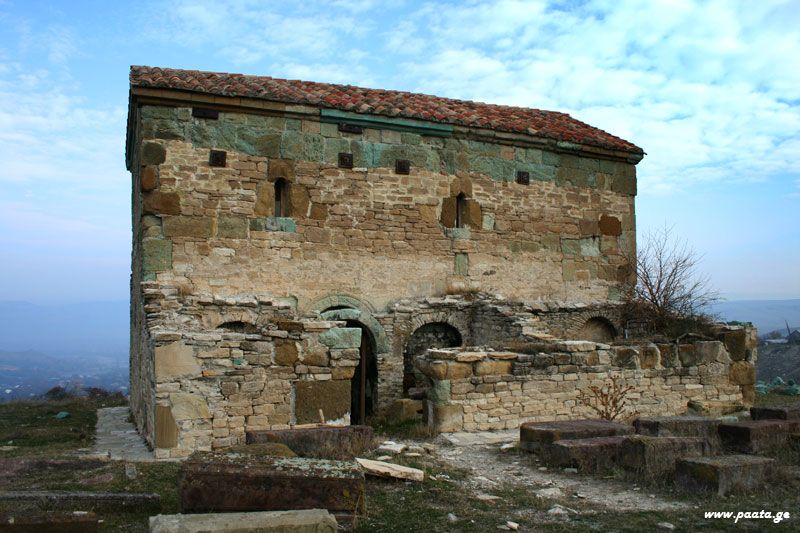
766	315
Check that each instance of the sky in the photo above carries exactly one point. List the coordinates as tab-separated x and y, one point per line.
710	90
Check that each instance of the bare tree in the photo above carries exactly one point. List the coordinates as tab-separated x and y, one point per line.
669	288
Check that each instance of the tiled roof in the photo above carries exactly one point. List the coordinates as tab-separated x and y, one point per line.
547	124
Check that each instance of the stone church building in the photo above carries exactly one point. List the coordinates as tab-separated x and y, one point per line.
297	246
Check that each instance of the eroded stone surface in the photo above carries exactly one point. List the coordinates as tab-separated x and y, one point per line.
331	441
725	474
756	436
269	484
591	455
305	521
679	426
776	412
534	435
652	457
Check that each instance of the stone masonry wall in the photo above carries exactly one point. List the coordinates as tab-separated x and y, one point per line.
484	390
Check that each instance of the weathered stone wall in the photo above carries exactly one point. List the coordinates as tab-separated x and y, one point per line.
483	390
563	237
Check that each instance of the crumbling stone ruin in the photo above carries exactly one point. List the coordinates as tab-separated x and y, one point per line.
304	252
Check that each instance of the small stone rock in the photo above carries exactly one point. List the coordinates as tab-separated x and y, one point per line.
513	526
552	492
665	525
130	471
490	498
452	518
542	469
557	510
570	470
411	454
391	447
384	457
508	446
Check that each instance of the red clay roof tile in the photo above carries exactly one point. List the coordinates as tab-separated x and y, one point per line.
547	124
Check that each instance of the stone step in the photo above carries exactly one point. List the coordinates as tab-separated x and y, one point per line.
725	474
776	412
593	455
48	522
235	482
680	426
652	457
533	436
757	436
309	520
100	502
322	442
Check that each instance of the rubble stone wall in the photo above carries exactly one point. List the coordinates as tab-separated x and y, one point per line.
474	390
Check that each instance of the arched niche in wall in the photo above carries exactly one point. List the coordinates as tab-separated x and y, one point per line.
430	335
597	329
333	308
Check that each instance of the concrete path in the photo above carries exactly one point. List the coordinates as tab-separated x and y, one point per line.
117	439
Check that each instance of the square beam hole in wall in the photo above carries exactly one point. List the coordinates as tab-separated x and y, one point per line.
350	128
523	177
204	112
345	160
402	166
217	158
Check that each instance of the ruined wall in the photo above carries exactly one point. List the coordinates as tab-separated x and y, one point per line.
485	390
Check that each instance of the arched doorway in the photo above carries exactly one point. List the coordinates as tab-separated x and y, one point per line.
431	335
597	329
364	383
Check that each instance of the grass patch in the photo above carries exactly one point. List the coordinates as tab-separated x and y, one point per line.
32	426
406	429
772	399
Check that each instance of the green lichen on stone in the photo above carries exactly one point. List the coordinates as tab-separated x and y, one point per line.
342	314
614	293
524	246
440	391
329	130
285	224
293	124
334	146
570	246
301	146
458	233
229	227
341	338
152	154
156	255
590	246
461	266
488	222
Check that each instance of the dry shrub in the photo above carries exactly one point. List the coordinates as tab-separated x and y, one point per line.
608	401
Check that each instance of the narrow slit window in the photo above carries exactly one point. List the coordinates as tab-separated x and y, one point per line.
281	197
461	210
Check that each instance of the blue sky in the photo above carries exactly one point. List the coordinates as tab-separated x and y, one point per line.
710	90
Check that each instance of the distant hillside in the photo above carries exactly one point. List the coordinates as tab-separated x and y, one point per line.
766	315
81	328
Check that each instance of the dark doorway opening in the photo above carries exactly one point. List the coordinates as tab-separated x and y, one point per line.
364	384
431	335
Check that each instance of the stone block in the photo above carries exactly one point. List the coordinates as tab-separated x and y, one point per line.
625	357
269	449
188	406
653	457
756	436
152	154
444	418
232	227
649	356
593	455
736	343
156	255
161	203
341	338
534	435
285	352
714	407
609	225
332	397
27	521
185	226
322	442
492	368
457	370
776	412
405	409
680	426
707	352
253	483
99	502
149	178
742	373
575	346
175	360
686	353
305	521
166	428
727	474
440	391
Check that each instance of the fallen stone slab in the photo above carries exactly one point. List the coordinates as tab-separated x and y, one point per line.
322	442
305	521
757	436
715	407
98	502
725	474
270	449
776	412
533	436
680	426
383	469
651	457
219	482
598	454
52	522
